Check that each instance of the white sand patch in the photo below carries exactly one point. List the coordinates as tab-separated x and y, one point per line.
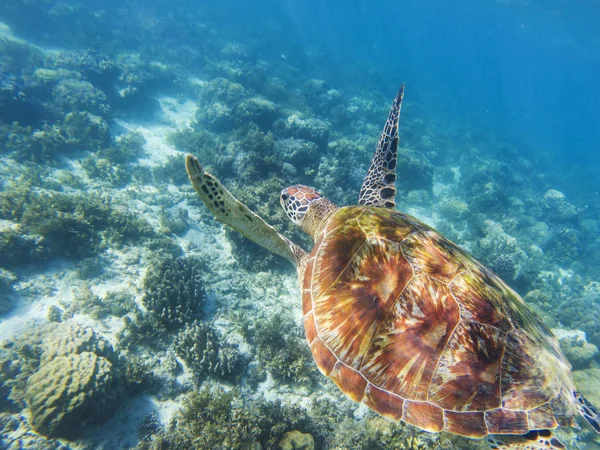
173	115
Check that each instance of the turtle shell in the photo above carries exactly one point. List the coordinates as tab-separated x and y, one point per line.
404	321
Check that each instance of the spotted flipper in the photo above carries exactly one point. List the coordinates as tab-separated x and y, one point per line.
378	188
229	210
534	440
588	411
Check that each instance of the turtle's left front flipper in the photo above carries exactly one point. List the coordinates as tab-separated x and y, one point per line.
229	210
378	188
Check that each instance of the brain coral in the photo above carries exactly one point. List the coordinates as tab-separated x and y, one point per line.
77	382
71	392
70	338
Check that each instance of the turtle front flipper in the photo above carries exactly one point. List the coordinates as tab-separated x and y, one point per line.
229	210
378	188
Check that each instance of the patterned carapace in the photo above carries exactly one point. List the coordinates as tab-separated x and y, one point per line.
409	324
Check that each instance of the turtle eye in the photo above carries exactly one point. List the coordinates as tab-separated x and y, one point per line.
284	197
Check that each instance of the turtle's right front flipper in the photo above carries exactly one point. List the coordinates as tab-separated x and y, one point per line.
379	185
229	210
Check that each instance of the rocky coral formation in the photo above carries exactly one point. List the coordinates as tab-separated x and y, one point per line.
575	347
296	440
204	351
174	292
557	206
309	129
69	338
77	382
70	392
257	110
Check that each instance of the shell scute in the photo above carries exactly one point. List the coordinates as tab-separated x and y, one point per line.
506	421
424	415
527	371
468	374
324	357
350	381
542	418
404	353
433	255
481	299
471	424
349	313
385	403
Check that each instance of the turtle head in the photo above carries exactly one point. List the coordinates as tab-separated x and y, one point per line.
306	207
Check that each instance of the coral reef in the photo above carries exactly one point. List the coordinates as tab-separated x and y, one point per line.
257	110
282	350
213	418
173	291
65	374
297	127
68	338
52	224
576	348
296	440
70	392
204	351
557	207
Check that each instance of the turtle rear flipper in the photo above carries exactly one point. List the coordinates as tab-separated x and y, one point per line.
379	185
588	411
229	210
534	440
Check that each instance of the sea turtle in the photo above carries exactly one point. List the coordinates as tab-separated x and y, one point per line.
406	322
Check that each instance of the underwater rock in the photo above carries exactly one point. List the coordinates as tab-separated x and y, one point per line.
296	440
86	131
202	349
77	95
75	382
222	90
257	110
454	208
70	392
296	152
174	292
70	338
311	129
217	116
557	207
575	347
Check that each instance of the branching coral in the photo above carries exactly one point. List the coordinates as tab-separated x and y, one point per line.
174	292
282	350
203	350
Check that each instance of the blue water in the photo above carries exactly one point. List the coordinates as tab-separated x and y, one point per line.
501	111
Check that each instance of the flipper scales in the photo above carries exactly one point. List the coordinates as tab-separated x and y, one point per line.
378	188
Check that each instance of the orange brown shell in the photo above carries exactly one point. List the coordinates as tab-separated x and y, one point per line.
404	321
